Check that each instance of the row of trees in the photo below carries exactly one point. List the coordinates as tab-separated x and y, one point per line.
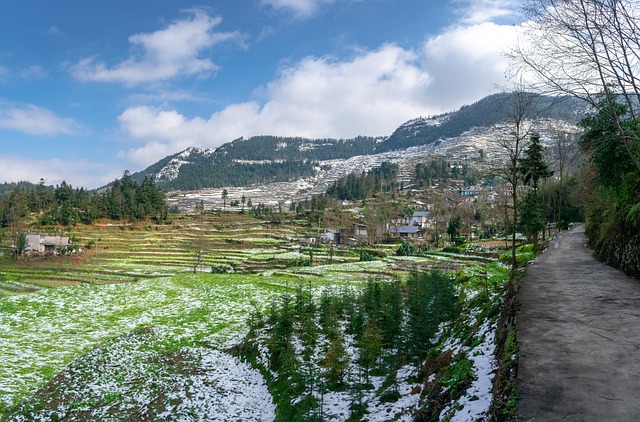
338	341
64	205
224	171
440	170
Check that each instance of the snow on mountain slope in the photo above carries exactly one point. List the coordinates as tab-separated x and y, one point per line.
462	149
172	169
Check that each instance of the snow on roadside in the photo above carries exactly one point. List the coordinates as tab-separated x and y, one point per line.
474	404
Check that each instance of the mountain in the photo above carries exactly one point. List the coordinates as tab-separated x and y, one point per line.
301	166
489	111
249	161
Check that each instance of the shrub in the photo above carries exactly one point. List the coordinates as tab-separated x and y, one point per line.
406	249
222	269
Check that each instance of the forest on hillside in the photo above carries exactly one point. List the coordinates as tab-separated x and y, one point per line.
255	160
26	205
487	112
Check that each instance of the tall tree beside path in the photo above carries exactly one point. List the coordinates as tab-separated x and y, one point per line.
513	143
585	48
534	168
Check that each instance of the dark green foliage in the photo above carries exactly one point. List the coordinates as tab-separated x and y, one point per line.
430	300
453	228
459	376
533	165
440	170
260	159
385	325
64	205
602	139
427	173
299	262
613	212
531	219
366	184
406	249
366	256
226	172
335	363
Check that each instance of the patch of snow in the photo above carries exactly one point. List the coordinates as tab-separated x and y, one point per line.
227	389
475	403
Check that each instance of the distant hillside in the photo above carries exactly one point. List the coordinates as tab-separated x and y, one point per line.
244	162
489	111
269	159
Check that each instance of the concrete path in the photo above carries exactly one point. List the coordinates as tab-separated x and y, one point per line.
579	335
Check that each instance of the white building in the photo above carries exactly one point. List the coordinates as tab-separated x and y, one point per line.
41	243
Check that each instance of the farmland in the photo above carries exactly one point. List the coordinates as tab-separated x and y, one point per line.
138	325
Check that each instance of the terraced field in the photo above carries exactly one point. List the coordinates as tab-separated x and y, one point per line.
127	328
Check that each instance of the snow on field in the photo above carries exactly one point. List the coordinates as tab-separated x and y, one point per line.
41	332
227	389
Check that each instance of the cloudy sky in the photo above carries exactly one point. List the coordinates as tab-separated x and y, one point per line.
89	89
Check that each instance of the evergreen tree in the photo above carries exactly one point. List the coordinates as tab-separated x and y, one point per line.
225	195
533	167
533	164
336	362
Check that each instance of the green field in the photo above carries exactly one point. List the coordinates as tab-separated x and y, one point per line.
125	326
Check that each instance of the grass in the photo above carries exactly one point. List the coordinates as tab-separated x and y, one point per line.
117	318
42	332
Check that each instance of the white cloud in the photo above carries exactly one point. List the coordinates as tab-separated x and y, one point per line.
370	94
34	120
165	54
302	9
467	62
479	11
78	173
33	72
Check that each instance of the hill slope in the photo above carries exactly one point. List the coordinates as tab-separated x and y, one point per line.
264	160
489	111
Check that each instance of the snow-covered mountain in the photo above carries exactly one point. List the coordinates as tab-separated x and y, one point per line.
277	169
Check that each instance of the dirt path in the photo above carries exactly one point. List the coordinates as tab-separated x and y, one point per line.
579	334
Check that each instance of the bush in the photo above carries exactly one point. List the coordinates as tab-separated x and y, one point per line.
406	249
376	253
222	269
455	249
299	262
365	256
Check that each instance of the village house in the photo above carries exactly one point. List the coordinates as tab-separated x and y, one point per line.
330	236
412	227
353	236
410	232
420	219
45	244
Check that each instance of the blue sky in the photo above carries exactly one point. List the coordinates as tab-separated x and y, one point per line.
91	88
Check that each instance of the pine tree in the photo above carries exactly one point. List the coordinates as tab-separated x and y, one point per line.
533	168
336	362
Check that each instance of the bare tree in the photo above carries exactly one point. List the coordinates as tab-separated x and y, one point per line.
197	244
588	49
565	148
513	142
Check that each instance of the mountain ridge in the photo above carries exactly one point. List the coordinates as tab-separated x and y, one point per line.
267	159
